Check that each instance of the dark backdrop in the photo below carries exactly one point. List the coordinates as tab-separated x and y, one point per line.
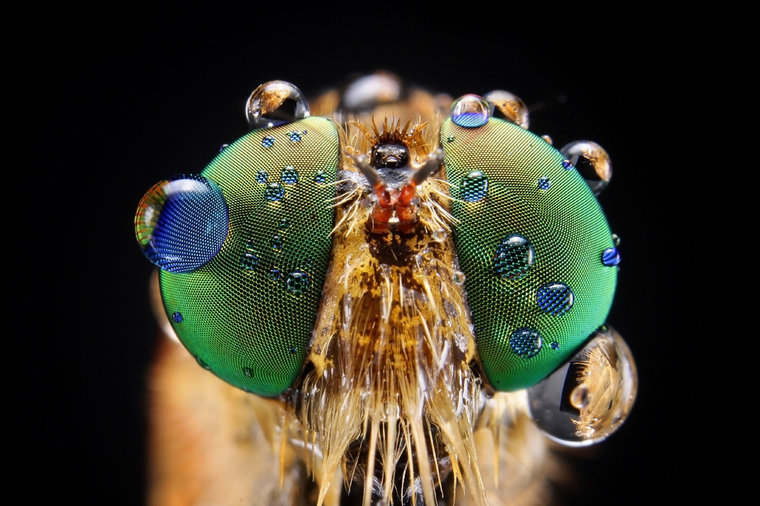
114	101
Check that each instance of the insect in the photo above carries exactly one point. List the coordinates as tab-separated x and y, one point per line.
403	294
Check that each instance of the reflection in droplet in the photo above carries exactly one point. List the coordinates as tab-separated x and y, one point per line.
469	111
555	298
610	257
262	177
474	186
590	396
440	235
177	317
267	141
289	175
544	183
275	103
513	258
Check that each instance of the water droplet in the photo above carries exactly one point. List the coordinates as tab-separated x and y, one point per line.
297	282
474	186
283	224
275	103
544	183
267	141
590	396
450	138
249	261
289	175
274	274
293	350
274	192
555	345
277	243
469	111
440	235
526	342
177	317
262	177
181	223
320	177
202	363
610	257
616	239
513	258
248	372
294	136
591	161
555	298
223	147
458	277
567	165
505	105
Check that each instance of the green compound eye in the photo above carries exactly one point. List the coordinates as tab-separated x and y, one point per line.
247	314
534	245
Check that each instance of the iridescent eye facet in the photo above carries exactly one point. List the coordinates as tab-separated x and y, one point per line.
469	111
181	223
275	103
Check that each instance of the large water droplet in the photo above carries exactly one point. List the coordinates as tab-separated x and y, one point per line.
469	111
274	192
590	396
610	257
297	282
181	223
526	342
514	257
275	103
506	105
289	175
591	161
555	298
474	186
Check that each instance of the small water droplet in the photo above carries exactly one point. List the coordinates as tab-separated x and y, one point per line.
289	175
616	239
567	165
293	350
283	224
474	186
555	345
274	192
248	372
610	257
177	317
275	103
262	177
294	136
544	183
203	363
513	258
223	147
249	261
555	298
458	277
440	235
274	274
267	141
297	282
320	177
450	138
276	243
526	342
469	111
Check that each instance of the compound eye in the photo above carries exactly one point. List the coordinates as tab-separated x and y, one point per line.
275	103
590	396
181	223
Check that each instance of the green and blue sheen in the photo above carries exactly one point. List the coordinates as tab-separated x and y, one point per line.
250	326
530	251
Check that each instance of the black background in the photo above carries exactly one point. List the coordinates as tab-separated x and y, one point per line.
114	101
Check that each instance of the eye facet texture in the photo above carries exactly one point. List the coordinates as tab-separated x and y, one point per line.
248	313
531	251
